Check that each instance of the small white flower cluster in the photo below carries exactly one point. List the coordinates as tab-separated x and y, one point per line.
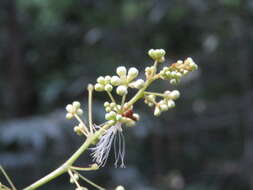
122	81
157	55
78	129
73	109
176	71
114	114
165	104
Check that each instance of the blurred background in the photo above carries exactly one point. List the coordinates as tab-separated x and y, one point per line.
50	50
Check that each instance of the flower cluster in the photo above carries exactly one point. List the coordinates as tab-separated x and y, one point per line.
177	70
167	102
73	109
157	55
122	81
121	113
115	113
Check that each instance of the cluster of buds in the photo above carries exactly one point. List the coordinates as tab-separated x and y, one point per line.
116	114
167	102
177	70
73	109
122	81
157	55
119	114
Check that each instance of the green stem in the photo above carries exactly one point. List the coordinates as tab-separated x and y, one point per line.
7	178
90	140
64	168
155	93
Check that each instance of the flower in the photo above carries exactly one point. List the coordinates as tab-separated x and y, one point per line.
100	152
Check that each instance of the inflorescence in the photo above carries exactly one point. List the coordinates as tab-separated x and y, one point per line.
121	113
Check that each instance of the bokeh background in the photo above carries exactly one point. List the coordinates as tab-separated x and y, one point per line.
50	50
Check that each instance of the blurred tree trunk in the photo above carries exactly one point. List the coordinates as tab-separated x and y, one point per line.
19	94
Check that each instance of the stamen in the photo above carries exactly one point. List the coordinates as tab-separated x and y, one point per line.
100	153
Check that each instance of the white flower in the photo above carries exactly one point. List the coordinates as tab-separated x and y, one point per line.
100	152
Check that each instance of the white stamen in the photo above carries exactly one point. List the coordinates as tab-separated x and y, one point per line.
100	153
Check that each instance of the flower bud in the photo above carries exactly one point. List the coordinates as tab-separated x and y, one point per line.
76	104
119	117
107	116
107	79
173	81
108	88
171	104
77	130
120	187
101	80
175	94
106	104
132	73
108	109
163	105
90	87
136	116
115	81
113	104
121	71
69	116
157	111
151	53
79	111
121	90
99	87
70	108
139	83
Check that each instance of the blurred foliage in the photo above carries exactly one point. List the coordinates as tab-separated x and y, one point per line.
64	45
